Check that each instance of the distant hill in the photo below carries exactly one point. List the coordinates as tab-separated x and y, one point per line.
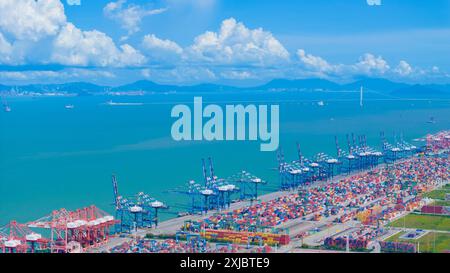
419	91
208	87
442	87
301	84
154	87
145	86
81	86
74	87
376	84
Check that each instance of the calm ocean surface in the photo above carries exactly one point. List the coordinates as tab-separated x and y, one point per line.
52	157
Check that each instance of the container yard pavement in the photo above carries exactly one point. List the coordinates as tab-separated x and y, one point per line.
296	226
317	239
171	226
326	225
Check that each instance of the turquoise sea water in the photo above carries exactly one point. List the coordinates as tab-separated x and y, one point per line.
52	157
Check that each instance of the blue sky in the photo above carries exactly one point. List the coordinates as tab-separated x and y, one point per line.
223	41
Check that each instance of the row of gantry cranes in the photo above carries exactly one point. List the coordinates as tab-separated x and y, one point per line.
357	157
65	231
59	232
216	193
78	230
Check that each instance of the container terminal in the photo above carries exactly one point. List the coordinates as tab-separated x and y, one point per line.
355	201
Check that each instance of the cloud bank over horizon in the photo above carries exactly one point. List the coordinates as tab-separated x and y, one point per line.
39	34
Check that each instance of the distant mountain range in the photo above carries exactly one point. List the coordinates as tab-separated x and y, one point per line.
419	91
375	84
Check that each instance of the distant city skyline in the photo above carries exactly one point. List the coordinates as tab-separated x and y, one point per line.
227	42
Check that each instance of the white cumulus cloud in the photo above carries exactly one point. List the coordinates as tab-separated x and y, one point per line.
37	31
374	2
82	48
314	62
370	64
160	49
237	75
129	16
31	19
129	56
5	50
403	68
235	43
73	2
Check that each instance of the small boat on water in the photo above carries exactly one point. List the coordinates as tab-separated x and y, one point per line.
7	108
321	103
431	120
69	106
